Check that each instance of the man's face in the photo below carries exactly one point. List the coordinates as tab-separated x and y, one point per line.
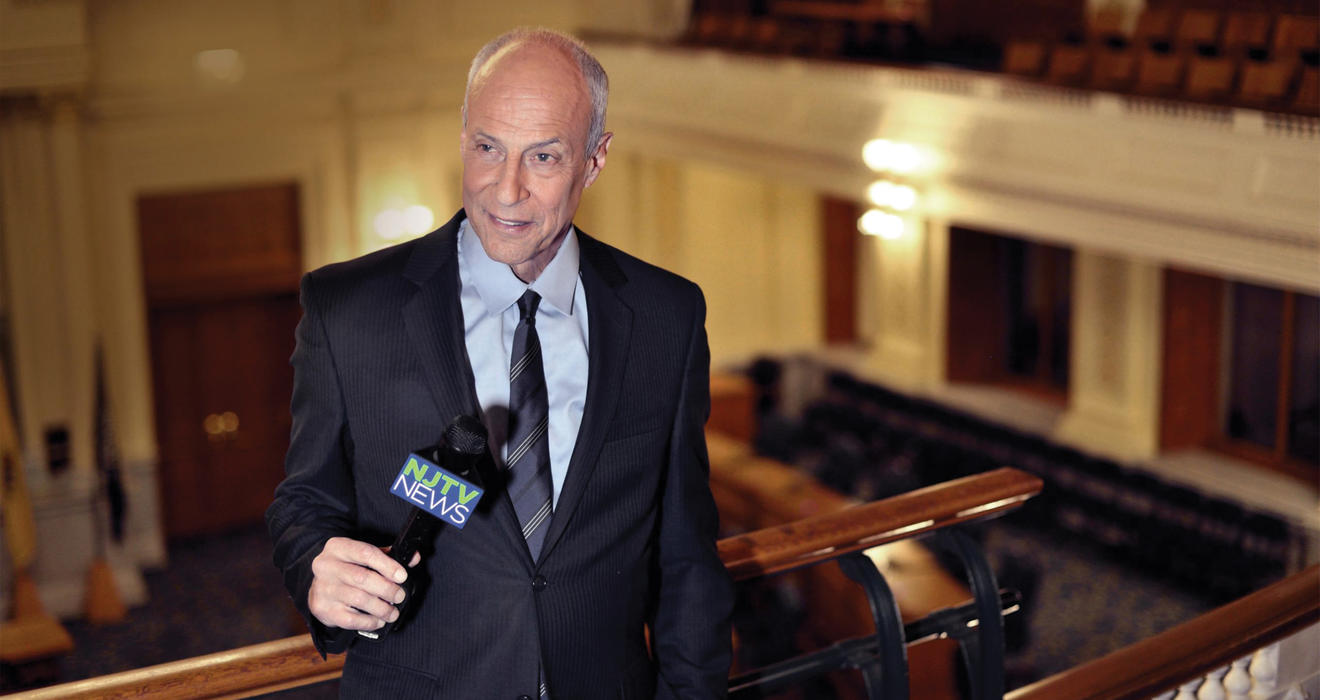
525	160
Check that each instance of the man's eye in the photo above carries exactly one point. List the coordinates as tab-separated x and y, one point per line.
485	147
544	158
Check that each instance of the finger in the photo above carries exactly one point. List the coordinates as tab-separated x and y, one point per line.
333	567
368	555
348	608
368	581
368	603
358	621
350	619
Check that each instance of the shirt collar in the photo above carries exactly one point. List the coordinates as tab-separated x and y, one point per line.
499	288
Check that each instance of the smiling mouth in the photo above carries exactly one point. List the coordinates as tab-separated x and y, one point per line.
508	223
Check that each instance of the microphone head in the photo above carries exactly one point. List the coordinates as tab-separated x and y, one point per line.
466	435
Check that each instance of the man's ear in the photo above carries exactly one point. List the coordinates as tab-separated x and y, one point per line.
597	161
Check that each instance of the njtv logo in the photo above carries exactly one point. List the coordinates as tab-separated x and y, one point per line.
437	491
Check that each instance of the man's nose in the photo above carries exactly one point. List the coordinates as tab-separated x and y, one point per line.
510	190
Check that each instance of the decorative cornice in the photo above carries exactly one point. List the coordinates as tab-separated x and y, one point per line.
1223	189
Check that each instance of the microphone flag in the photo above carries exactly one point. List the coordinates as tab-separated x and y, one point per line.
441	493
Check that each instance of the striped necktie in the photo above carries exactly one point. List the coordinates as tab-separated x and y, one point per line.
528	460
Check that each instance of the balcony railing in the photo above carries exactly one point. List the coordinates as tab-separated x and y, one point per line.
1219	650
286	663
1231	652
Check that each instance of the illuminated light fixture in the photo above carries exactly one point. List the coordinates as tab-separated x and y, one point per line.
220	65
883	224
883	155
905	158
891	195
876	154
392	224
418	219
389	224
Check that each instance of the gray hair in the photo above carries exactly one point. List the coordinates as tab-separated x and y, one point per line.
598	83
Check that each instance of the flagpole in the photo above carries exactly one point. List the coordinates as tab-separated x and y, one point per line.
103	605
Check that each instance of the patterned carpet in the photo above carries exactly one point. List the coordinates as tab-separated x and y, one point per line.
218	593
222	592
1084	606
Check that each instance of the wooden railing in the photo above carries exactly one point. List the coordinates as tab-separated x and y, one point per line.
292	662
237	673
831	535
1191	650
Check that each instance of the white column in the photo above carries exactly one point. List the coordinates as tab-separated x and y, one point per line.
49	263
39	304
70	222
905	286
1117	341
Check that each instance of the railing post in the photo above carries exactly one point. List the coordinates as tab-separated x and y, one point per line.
886	673
983	651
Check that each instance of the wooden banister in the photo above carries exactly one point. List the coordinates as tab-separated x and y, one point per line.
291	662
1192	649
237	673
831	535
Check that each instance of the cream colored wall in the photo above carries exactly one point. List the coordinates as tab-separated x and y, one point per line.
752	243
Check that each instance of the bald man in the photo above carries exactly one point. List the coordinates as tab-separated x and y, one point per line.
521	602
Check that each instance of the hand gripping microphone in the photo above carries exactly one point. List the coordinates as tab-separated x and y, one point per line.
443	485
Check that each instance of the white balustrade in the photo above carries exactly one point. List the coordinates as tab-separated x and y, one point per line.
1238	682
1287	670
1187	691
1264	672
1213	687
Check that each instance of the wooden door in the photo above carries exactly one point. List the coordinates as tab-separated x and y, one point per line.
221	271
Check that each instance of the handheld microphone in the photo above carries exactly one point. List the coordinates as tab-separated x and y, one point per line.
443	485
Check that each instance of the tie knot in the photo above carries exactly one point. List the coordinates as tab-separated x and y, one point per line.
527	304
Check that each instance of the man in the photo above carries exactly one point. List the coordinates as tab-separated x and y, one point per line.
394	345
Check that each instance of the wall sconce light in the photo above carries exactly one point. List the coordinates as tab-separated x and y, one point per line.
394	223
883	224
892	195
885	156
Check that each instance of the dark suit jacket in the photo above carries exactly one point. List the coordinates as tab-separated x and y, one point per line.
381	368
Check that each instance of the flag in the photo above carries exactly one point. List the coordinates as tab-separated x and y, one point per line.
107	455
20	525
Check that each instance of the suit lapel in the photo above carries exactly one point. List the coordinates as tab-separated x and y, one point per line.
610	327
434	321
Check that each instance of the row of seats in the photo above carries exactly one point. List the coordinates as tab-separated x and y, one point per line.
1250	59
1241	58
863	439
819	35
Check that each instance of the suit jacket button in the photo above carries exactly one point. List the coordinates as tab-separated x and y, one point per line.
524	697
538	583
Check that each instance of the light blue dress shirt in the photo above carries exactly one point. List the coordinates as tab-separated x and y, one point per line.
490	293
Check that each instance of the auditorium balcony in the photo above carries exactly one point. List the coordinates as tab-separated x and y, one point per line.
1033	283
